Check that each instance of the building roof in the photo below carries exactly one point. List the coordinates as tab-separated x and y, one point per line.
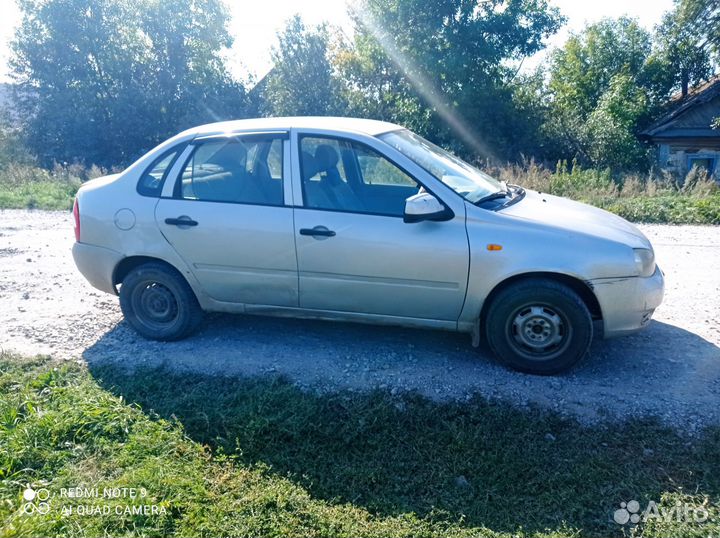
358	125
691	115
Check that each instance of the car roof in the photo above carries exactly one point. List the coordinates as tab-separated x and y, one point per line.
358	125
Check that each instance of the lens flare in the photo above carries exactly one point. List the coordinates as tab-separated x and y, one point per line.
421	83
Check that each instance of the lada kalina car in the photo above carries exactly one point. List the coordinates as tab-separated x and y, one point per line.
364	221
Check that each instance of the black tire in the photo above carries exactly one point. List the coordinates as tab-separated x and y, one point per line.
538	326
158	303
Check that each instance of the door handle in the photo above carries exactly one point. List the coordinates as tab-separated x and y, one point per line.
318	231
182	221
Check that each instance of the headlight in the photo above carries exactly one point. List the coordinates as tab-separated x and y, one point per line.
644	261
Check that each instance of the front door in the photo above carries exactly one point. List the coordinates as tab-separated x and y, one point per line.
355	253
228	220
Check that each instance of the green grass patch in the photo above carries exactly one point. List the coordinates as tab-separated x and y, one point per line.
51	195
663	209
258	457
29	187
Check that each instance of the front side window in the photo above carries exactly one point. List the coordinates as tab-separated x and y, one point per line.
463	178
344	175
235	170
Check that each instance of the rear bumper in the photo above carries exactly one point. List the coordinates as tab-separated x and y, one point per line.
628	304
97	265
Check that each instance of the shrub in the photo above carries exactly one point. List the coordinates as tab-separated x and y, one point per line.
578	182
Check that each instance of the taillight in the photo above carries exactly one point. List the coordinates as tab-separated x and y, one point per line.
76	215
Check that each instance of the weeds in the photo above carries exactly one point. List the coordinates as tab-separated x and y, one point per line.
652	199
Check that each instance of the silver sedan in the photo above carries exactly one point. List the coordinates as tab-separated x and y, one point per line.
359	220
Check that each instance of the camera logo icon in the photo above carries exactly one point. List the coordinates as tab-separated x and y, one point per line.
36	501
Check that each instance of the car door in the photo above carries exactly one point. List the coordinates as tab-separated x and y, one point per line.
355	254
226	217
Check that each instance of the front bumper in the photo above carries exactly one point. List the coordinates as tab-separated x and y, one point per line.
628	304
97	265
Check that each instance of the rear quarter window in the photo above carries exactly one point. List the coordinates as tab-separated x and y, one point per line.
152	181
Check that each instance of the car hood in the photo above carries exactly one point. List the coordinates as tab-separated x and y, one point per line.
575	217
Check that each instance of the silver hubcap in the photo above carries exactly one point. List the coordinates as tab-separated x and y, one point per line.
538	329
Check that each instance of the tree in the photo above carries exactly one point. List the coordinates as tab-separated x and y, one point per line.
582	69
613	79
12	149
302	82
580	74
703	17
102	81
678	61
445	67
611	126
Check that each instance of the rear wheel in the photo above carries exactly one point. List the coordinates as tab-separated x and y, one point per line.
158	303
539	326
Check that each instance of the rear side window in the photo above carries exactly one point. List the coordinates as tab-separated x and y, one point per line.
152	180
247	170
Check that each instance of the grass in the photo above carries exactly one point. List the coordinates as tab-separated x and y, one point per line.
49	195
29	187
665	209
661	200
259	457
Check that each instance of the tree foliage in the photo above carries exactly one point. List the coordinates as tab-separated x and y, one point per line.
703	17
583	68
103	81
679	61
444	67
612	141
610	81
302	82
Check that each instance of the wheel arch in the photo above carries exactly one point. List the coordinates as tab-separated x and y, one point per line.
123	268
581	287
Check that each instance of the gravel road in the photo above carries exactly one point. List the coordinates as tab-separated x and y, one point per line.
671	370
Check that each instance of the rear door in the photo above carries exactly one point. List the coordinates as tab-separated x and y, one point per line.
227	217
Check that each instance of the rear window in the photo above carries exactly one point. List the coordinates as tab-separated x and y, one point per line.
152	180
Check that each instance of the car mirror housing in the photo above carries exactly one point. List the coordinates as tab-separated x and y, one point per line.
424	206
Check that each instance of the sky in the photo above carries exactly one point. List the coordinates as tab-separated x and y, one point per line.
254	24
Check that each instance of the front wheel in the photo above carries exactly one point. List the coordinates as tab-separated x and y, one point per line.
539	326
158	303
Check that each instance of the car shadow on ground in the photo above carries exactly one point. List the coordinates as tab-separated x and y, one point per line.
662	367
471	460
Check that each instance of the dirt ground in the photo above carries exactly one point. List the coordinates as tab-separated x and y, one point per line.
671	370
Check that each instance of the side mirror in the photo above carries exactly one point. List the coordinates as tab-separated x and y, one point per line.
424	206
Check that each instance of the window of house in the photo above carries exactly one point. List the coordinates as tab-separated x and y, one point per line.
702	162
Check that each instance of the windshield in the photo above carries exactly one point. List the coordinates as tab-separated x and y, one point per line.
463	178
